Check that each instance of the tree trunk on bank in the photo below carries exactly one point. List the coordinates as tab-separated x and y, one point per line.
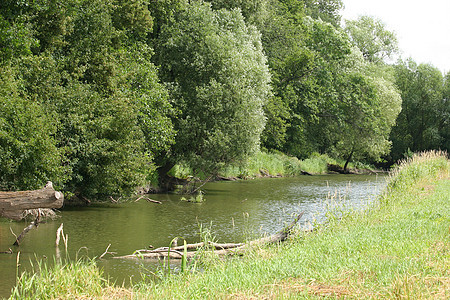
13	204
164	180
348	160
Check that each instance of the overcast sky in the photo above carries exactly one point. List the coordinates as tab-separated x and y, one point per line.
422	27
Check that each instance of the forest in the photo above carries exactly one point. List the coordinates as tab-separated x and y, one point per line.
103	96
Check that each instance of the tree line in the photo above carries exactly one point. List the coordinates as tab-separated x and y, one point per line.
103	96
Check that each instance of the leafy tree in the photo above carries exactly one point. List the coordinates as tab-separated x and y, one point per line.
289	60
100	136
28	153
164	12
372	38
149	97
133	18
16	36
217	71
255	12
92	73
310	82
444	126
326	10
421	124
358	122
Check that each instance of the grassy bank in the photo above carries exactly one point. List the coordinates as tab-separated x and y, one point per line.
399	248
276	164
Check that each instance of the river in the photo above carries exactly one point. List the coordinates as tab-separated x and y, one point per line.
233	212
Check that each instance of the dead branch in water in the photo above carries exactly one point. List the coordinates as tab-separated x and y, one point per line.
35	223
218	249
148	200
106	252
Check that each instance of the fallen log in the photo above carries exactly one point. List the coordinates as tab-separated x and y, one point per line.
13	204
216	248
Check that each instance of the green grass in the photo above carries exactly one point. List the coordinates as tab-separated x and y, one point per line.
76	278
275	164
398	248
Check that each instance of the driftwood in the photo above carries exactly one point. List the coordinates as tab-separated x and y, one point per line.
13	204
218	249
106	252
35	223
9	251
148	200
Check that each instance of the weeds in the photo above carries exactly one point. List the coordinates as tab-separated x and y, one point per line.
197	198
60	281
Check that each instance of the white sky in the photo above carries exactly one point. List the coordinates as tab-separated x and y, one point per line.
422	27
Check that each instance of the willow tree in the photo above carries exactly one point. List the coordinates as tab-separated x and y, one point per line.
372	38
216	68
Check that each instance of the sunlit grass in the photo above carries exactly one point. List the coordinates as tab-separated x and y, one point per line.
62	281
279	164
273	163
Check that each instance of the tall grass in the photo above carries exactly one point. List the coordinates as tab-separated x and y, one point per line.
70	280
277	163
61	280
420	165
273	163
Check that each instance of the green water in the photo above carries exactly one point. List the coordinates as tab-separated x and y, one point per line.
233	212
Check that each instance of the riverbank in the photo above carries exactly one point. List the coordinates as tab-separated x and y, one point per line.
398	248
278	164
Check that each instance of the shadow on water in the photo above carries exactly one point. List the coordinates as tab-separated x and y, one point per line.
233	211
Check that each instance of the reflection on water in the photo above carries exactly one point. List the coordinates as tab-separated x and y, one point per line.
233	211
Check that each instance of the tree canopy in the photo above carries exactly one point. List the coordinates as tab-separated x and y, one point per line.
101	96
423	122
372	38
219	81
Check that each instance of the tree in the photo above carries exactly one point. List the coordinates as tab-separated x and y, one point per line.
91	73
444	126
357	124
372	38
309	82
326	10
421	124
16	36
289	60
29	156
217	71
255	12
368	121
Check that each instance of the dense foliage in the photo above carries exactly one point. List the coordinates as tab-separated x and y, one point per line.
424	122
97	96
219	81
